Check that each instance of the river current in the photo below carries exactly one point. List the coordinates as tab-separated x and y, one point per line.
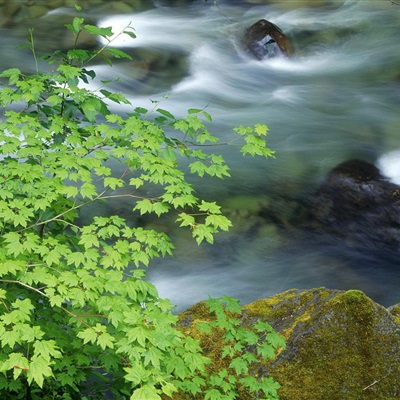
336	98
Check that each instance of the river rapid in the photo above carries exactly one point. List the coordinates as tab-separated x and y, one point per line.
337	98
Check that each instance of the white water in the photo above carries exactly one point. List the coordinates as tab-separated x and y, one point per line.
389	164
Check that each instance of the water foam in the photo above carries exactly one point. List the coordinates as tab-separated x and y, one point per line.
389	165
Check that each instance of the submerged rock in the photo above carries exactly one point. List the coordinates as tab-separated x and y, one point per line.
264	40
339	344
359	205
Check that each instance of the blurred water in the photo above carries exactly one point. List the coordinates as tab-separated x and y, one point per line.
337	98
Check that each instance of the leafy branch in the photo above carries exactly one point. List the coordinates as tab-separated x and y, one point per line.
73	291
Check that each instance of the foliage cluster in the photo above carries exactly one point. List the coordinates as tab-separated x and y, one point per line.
76	311
241	351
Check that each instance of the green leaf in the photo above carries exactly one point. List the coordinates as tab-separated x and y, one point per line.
261	129
88	335
168	388
9	338
250	382
147	392
91	107
239	365
275	340
13	75
53	257
141	110
130	33
204	327
194	111
219	222
116	97
88	240
76	24
266	351
152	356
144	206
105	340
113	183
70	191
139	334
165	113
16	362
118	53
39	368
8	73
211	207
186	220
202	232
69	71
178	366
160	208
94	30
77	259
197	167
137	374
136	182
213	394
207	115
13	244
56	301
88	190
46	349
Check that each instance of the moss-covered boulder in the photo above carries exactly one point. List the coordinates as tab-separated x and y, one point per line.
340	345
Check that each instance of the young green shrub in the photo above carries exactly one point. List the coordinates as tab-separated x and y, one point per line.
238	351
77	317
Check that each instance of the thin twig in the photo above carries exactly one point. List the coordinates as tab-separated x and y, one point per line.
45	295
377	381
57	217
220	11
33	49
109	41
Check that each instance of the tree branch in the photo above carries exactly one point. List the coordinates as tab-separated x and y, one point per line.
45	295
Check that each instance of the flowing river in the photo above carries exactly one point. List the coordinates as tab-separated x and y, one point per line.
337	98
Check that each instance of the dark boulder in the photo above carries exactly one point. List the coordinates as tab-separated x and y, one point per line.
359	205
264	40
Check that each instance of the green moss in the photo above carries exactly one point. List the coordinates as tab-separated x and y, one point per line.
341	348
395	311
285	310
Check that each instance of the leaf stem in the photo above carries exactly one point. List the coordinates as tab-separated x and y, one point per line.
33	49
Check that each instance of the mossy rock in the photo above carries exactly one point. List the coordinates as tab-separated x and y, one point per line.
395	311
340	344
